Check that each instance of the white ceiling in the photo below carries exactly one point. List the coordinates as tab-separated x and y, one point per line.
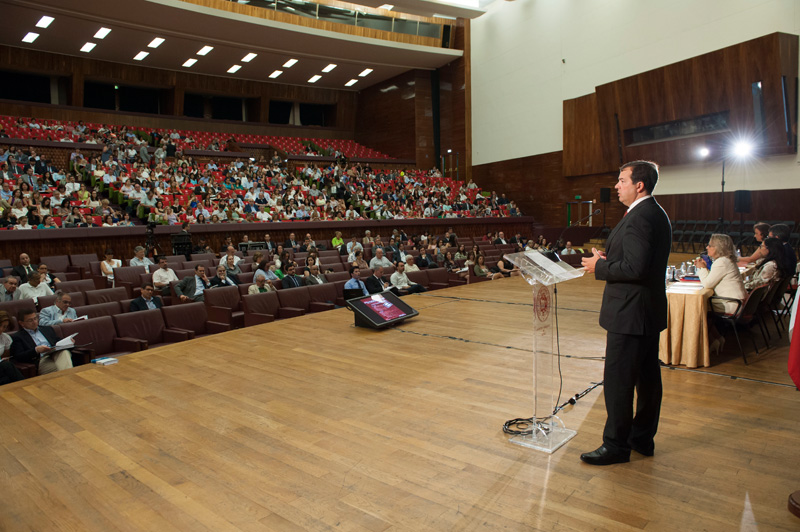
186	28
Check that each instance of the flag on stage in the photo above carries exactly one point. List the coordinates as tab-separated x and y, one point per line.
794	345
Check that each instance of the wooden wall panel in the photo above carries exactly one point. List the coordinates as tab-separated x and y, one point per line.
423	120
766	205
714	82
453	82
385	117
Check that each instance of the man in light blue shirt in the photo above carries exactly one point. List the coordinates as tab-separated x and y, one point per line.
60	312
355	282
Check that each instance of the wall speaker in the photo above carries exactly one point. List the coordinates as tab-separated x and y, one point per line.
741	201
605	195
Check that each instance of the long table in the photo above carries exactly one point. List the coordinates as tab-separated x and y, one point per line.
685	340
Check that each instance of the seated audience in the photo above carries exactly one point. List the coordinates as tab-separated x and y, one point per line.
314	277
379	260
480	269
146	301
8	290
108	264
163	276
290	280
230	254
231	265
376	284
60	311
24	268
223	279
33	344
410	266
400	280
50	280
782	233
355	282
34	288
723	277
191	288
773	268
760	232
568	249
261	285
8	371
140	260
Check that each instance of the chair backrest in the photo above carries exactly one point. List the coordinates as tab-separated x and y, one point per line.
264	303
224	296
438	275
209	258
84	285
99	332
337	276
109	308
105	295
191	317
246	277
750	305
420	277
129	275
83	259
13	307
56	263
190	264
177	259
48	301
295	298
146	325
324	293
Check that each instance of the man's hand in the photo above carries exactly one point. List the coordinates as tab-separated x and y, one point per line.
42	349
589	263
66	320
184	298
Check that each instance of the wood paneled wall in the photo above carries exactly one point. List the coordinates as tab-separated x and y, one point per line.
594	125
765	205
386	116
453	85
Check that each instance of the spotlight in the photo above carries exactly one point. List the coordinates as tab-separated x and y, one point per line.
704	152
742	149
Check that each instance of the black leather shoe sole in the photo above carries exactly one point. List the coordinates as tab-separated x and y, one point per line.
602	456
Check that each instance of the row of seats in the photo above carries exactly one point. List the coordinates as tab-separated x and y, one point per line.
690	236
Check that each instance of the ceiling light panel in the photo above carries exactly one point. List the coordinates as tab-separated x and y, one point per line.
234	69
190	62
249	57
155	43
101	33
351	83
204	50
365	72
30	37
88	47
276	74
315	78
329	68
290	63
387	7
140	56
44	21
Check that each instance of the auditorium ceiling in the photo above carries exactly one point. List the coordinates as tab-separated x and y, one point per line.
186	29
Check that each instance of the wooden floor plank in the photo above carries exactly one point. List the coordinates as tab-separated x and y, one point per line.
313	424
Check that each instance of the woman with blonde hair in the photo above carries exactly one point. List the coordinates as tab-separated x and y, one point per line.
723	277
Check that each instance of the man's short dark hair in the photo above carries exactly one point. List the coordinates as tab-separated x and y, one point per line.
24	313
145	286
643	171
199	266
781	232
352	269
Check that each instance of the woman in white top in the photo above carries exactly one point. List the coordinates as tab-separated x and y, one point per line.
770	268
724	277
108	265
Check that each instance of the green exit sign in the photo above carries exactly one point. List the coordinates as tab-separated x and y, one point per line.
577	197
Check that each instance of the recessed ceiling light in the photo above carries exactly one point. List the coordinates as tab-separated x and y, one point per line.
276	74
88	47
249	57
30	37
44	21
155	43
189	62
204	50
365	72
290	63
289	8
101	33
387	7
329	68
140	56
315	78
234	69
351	83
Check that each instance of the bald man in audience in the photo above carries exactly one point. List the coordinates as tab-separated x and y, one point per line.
8	290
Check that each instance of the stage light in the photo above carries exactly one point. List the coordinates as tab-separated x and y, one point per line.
742	149
44	22
704	152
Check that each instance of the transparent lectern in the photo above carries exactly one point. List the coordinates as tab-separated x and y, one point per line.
543	271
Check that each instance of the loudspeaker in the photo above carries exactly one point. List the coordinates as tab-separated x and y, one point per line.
605	195
446	36
741	201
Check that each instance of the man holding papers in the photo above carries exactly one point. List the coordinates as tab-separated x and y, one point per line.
40	345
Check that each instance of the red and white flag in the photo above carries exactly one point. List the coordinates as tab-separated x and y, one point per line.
794	344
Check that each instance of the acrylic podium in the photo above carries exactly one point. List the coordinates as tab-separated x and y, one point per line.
543	271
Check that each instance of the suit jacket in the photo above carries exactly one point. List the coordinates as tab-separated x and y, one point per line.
20	272
140	304
216	281
14	296
499	241
187	287
373	284
291	245
310	280
291	281
23	348
52	315
637	251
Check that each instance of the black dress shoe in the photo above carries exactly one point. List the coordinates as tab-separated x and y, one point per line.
644	451
603	456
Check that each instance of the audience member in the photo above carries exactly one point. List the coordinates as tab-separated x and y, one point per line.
355	282
723	277
400	280
8	371
568	249
480	270
379	260
376	284
782	233
230	254
314	277
290	280
50	280
140	260
163	276
223	278
191	288
760	232
146	301
261	285
24	268
773	268
34	344
60	311
410	265
108	264
8	290
34	288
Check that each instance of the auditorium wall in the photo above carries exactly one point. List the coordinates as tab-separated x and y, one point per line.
528	57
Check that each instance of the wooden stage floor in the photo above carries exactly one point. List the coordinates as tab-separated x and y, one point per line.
312	424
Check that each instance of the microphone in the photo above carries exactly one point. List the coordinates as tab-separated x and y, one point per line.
595	213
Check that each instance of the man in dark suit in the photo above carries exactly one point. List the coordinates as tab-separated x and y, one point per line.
146	301
223	278
634	312
32	341
24	269
314	277
269	245
376	284
500	240
292	243
191	288
290	280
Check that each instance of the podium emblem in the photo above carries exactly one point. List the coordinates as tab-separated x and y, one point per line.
541	303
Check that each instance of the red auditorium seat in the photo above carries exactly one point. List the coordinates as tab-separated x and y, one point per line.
148	327
325	293
192	317
105	295
101	336
260	308
223	305
108	308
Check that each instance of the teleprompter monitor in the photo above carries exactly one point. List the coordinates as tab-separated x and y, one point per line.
378	311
